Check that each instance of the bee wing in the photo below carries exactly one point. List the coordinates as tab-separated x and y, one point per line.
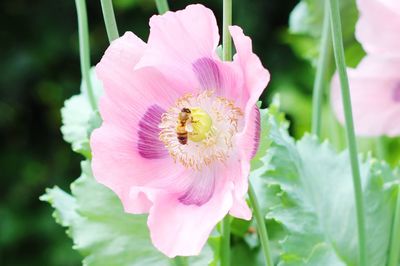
189	126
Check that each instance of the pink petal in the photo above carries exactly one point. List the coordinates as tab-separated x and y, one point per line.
117	163
149	145
392	4
140	199
226	78
177	229
378	26
178	39
256	130
136	89
240	209
201	188
374	87
256	78
135	99
251	136
248	143
208	73
239	174
183	36
396	92
127	105
126	51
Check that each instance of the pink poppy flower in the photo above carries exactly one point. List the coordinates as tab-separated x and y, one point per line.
375	83
179	127
375	96
378	26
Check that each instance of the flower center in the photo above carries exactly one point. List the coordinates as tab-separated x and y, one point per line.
199	125
200	129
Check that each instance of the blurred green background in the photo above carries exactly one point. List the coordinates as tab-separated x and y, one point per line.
40	69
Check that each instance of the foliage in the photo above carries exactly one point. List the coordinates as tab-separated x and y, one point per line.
305	28
310	192
102	232
79	119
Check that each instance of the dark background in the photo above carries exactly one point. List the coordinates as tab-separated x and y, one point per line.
39	69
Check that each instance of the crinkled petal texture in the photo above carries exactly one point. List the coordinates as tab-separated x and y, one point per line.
378	26
144	80
375	96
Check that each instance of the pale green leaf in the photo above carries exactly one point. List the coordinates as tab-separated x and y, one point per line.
214	241
243	255
101	231
79	119
306	187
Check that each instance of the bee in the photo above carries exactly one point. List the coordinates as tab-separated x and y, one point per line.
184	126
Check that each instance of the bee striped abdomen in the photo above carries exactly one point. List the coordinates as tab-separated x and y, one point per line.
181	131
182	138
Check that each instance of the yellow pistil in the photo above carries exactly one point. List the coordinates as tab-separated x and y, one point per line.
201	124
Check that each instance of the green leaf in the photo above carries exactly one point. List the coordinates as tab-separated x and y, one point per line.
306	187
79	119
214	241
272	122
305	28
240	227
101	231
242	254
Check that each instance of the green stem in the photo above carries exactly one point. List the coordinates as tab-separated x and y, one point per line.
84	50
380	147
335	131
320	77
181	261
394	253
226	36
351	139
226	241
109	20
226	56
261	226
162	6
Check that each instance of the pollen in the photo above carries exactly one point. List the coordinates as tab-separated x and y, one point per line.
207	134
201	124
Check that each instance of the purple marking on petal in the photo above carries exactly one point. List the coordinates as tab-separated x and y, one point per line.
257	132
207	73
149	145
200	191
396	93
